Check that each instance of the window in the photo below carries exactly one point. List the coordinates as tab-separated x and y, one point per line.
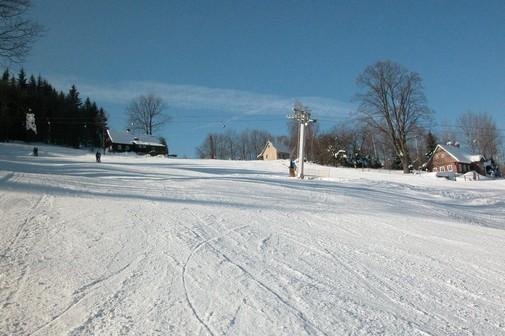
435	169
449	168
119	147
442	169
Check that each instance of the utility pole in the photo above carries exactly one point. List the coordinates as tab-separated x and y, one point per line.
301	114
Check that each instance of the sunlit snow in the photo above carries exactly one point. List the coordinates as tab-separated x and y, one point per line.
145	246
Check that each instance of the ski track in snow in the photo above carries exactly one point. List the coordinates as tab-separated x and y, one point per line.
183	275
21	228
204	247
15	261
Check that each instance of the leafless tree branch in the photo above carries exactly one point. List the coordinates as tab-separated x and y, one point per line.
481	134
145	113
17	34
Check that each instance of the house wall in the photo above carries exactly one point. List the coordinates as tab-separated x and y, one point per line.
463	168
442	161
270	153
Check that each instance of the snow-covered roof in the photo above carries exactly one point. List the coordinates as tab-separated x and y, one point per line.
459	155
475	158
129	138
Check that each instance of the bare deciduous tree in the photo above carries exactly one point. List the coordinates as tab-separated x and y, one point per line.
229	145
448	132
145	113
393	103
347	145
17	33
481	134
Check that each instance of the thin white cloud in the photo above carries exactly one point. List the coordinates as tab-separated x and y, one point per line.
234	102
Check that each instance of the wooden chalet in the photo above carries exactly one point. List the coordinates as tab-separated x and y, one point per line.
127	141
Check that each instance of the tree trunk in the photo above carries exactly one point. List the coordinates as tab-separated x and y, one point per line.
405	164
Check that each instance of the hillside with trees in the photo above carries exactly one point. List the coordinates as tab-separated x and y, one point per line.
60	118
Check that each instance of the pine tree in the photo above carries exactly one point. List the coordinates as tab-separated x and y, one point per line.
431	143
32	83
22	78
5	76
101	122
73	98
40	82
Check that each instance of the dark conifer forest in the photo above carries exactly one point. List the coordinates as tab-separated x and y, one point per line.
60	118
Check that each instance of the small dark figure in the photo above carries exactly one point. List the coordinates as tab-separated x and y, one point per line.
35	151
292	168
98	157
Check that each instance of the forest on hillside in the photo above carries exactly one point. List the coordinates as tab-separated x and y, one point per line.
31	109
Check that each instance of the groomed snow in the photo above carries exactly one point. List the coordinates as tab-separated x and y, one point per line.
147	246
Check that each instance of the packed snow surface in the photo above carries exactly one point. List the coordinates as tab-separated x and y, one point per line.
145	246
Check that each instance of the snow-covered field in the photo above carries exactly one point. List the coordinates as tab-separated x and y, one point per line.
147	246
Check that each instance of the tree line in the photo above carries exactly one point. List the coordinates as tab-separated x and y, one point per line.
356	144
391	128
232	145
60	118
349	145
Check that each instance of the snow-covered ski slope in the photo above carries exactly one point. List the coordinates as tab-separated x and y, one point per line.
147	246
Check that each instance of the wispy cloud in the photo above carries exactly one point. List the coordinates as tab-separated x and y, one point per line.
234	102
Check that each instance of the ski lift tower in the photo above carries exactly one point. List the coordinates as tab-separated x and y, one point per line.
301	114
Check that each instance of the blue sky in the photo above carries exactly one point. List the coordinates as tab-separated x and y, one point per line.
244	63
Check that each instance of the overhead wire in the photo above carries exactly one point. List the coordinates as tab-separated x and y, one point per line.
209	118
